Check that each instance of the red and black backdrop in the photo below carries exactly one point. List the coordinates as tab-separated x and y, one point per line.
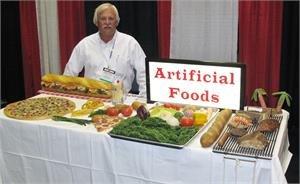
268	43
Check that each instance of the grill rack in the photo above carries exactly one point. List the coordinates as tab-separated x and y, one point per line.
231	146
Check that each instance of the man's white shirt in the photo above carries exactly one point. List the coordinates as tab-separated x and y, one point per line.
122	54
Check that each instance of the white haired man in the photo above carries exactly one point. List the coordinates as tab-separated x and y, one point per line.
109	54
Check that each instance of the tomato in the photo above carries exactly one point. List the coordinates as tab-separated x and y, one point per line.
127	111
168	105
112	111
120	107
186	121
172	106
176	106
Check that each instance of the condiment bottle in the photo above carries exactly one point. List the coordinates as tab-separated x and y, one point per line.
117	92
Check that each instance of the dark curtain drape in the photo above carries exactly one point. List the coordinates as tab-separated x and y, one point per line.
137	18
289	70
164	27
30	48
12	84
260	24
71	27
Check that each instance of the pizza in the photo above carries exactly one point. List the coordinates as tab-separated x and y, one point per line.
104	122
39	108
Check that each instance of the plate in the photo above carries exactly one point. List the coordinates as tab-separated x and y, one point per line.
215	111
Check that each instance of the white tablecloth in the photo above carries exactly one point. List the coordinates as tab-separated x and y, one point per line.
59	152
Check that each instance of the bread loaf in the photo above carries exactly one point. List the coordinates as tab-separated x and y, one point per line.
212	134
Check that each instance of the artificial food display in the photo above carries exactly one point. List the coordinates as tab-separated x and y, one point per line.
268	125
170	125
252	134
240	121
154	129
255	140
39	108
212	134
88	107
102	116
76	85
78	121
104	122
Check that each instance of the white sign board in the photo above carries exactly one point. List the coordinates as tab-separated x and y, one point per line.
196	83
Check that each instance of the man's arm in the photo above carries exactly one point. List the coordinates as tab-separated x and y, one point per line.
75	63
139	65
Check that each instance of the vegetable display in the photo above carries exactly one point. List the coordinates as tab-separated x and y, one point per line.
127	111
97	112
112	111
72	120
142	112
154	129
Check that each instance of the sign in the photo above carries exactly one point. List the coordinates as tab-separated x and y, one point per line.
207	84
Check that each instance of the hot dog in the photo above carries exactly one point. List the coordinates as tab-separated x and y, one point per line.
76	85
223	139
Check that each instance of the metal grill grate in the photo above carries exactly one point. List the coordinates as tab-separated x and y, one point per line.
231	146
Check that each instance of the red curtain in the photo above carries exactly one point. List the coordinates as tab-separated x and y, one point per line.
71	18
164	24
30	48
260	24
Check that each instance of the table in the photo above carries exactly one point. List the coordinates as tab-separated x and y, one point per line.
60	152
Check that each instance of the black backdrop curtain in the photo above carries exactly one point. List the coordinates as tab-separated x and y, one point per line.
137	18
12	82
289	69
289	81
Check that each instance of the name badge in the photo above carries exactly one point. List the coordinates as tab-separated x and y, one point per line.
109	70
110	75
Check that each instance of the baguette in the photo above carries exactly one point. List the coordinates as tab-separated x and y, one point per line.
76	85
212	134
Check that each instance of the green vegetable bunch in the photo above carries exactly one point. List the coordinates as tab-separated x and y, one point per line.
154	129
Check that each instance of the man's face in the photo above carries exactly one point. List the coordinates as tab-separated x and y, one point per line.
107	22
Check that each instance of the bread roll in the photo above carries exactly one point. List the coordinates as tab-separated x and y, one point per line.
212	134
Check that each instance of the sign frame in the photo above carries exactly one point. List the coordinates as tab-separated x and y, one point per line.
240	66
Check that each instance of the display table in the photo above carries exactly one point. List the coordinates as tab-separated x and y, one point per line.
46	151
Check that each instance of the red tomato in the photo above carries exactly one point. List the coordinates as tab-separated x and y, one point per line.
185	121
173	106
127	111
168	105
176	106
112	111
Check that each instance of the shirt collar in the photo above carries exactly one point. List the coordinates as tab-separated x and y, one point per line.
111	41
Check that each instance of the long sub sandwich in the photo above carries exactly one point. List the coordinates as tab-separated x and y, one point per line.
76	85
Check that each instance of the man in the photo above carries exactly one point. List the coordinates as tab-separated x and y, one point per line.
109	54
